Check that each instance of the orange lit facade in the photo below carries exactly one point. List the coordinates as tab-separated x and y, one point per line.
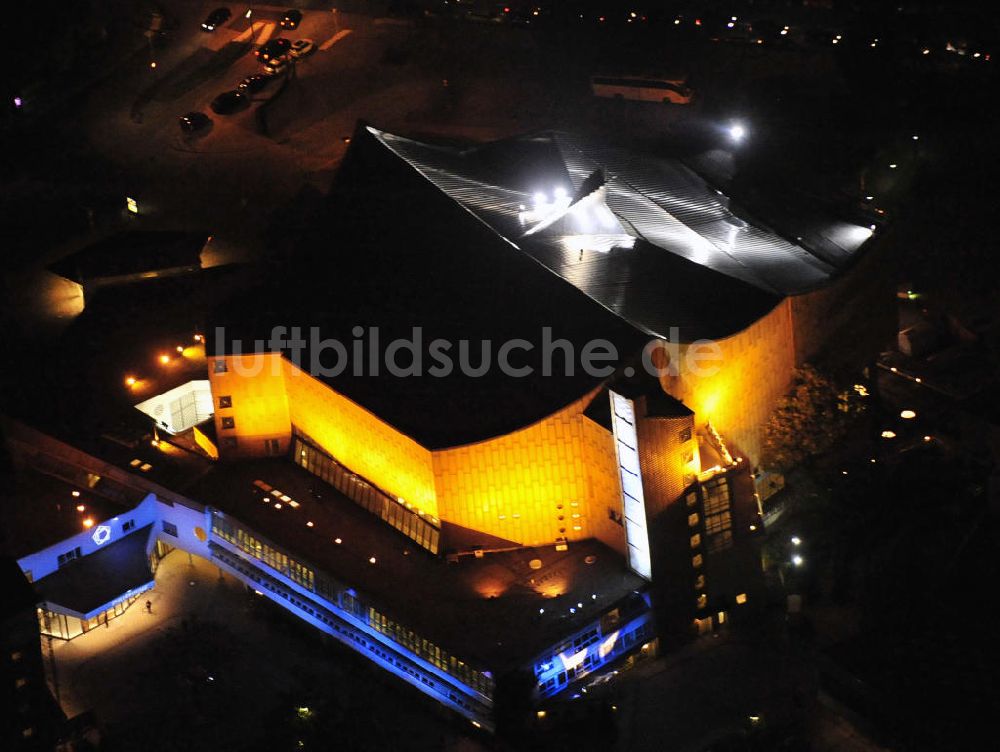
738	392
556	480
553	481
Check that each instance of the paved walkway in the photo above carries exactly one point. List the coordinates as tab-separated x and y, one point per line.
214	667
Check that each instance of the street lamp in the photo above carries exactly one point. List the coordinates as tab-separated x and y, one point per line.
737	132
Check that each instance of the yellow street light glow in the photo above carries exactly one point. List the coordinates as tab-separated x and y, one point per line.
88	522
371	560
75	493
338	541
164	359
180	348
888	434
309	524
80	507
907	415
130	380
927	438
541	714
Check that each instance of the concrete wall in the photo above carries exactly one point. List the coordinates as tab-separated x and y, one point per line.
669	462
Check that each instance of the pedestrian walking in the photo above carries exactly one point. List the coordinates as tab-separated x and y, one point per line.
149	607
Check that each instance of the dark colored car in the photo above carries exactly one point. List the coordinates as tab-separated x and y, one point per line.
216	18
276	49
291	19
229	102
253	84
194	122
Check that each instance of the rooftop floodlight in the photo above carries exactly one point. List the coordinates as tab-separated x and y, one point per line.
559	192
541	199
797	560
737	132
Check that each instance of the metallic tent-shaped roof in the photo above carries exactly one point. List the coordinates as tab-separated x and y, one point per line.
620	226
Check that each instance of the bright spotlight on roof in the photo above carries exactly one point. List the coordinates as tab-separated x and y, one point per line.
737	132
559	192
540	199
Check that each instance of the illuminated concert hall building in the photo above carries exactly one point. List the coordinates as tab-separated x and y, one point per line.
559	523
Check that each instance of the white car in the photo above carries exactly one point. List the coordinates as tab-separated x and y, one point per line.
301	47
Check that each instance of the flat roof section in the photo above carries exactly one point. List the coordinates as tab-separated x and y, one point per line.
40	510
496	611
84	585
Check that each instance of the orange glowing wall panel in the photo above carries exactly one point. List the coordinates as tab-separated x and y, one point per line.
754	371
255	386
605	490
359	440
531	486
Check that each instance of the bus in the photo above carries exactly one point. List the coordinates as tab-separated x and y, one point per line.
674	90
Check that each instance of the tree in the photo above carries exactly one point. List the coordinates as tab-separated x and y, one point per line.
812	417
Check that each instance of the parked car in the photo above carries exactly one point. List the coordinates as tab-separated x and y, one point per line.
194	122
275	49
253	84
275	67
216	18
302	47
291	19
229	102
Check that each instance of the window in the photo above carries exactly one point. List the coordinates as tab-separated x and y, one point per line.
684	435
225	401
696	561
219	366
717	523
695	540
229	442
67	557
229	422
128	525
272	446
692	519
170	528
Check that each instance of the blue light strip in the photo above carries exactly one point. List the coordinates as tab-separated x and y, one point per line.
382	651
589	650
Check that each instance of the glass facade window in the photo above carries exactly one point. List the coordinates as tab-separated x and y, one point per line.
349	601
431	653
418	528
54	624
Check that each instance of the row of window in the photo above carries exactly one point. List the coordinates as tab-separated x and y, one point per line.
346	632
626	641
410	523
277	560
69	556
303	575
430	652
